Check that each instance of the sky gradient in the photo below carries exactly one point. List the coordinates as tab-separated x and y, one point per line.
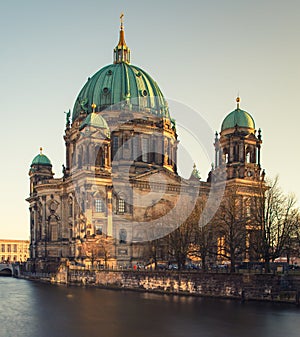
201	53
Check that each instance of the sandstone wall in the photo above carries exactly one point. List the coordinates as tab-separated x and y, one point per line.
268	287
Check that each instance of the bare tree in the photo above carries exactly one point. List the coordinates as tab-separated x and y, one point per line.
180	240
277	218
180	244
296	236
292	246
106	245
230	228
156	250
202	242
98	248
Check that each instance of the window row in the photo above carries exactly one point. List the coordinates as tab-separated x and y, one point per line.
99	206
9	248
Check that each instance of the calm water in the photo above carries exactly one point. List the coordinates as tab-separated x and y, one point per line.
31	309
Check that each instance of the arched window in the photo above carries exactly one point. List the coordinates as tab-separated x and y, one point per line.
236	152
100	157
248	210
122	236
79	158
82	202
145	149
217	158
99	205
248	157
87	156
170	152
153	149
115	146
225	156
70	205
99	229
135	147
53	228
121	206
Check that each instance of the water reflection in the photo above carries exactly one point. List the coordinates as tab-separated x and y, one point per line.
41	310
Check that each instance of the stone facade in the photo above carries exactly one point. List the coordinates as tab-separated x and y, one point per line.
120	178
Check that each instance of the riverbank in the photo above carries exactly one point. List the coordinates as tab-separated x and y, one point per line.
244	287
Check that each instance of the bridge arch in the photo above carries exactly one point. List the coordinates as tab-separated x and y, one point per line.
6	272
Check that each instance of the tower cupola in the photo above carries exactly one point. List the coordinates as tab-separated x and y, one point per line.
40	170
238	147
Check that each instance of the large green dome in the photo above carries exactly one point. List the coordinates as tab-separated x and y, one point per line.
121	82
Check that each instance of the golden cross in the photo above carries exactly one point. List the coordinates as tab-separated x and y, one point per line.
121	18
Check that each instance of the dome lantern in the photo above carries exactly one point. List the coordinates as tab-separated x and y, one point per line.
121	51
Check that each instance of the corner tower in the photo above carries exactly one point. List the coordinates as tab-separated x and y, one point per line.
40	170
237	148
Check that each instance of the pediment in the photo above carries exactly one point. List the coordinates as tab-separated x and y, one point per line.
161	173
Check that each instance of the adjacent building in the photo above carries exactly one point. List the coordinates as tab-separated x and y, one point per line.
14	251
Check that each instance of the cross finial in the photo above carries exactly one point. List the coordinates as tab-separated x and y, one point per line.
238	102
41	150
122	20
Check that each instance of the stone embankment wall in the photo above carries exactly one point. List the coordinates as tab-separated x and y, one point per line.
282	288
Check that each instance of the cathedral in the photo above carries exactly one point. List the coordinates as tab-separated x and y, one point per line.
120	187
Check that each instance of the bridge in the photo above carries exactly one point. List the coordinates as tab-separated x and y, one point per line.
6	269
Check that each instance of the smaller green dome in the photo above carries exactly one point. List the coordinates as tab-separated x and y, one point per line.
95	120
41	159
238	118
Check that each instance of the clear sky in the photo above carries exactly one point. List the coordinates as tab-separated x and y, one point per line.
201	53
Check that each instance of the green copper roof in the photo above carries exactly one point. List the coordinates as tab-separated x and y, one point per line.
117	83
41	159
95	120
239	118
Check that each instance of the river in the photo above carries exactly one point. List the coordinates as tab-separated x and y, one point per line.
31	309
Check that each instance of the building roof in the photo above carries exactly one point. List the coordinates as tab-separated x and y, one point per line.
121	84
238	118
41	159
95	120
